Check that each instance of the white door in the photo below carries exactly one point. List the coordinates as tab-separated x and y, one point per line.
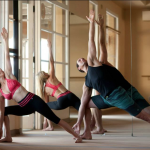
26	53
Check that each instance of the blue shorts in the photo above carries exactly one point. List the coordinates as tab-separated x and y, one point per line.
122	99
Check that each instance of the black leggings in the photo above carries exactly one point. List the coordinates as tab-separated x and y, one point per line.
35	104
65	101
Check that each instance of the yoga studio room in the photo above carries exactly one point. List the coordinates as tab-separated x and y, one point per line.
74	74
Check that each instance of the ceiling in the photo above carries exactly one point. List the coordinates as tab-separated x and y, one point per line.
135	4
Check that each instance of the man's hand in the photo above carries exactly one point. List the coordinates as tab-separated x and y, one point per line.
91	17
77	127
100	20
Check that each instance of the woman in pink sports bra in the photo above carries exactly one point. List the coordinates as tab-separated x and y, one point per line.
28	102
54	88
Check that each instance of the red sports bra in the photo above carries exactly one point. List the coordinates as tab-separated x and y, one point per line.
55	87
13	85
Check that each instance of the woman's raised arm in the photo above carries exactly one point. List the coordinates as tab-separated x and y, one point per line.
8	67
51	60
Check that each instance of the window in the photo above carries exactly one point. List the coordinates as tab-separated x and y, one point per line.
25	46
13	36
93	6
54	22
63	2
26	53
1	25
112	38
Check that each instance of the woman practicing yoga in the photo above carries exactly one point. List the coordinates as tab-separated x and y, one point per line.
54	88
108	81
28	102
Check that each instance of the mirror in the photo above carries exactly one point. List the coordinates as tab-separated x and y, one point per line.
115	120
79	28
140	14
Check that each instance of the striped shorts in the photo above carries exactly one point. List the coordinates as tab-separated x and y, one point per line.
132	102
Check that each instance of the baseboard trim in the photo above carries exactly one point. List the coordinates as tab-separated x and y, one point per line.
15	132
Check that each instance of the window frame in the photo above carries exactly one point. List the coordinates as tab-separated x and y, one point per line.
65	35
15	50
117	32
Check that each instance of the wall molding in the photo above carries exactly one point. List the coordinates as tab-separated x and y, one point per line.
15	132
77	78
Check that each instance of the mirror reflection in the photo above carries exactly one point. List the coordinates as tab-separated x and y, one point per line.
79	65
140	60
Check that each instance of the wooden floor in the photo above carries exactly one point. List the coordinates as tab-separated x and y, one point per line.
117	122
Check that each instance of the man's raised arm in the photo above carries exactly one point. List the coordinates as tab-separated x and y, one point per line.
103	49
91	43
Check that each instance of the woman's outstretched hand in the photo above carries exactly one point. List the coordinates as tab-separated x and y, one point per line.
76	127
49	44
4	34
91	17
100	20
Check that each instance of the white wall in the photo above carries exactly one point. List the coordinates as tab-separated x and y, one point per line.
79	43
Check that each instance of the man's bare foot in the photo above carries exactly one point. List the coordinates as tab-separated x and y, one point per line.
48	129
92	126
6	139
86	136
99	131
45	125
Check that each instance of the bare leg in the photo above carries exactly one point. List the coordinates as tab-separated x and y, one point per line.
50	126
1	133
45	123
98	119
144	116
87	132
92	121
7	127
147	109
68	128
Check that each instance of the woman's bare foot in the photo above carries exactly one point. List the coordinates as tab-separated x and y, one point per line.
102	131
78	140
76	128
86	136
48	129
6	139
45	125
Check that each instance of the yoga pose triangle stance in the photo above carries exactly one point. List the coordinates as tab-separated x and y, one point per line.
28	102
108	81
53	87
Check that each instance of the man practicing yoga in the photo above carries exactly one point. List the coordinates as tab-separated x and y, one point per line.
108	81
53	87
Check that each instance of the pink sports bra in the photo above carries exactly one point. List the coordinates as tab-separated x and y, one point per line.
13	85
55	87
